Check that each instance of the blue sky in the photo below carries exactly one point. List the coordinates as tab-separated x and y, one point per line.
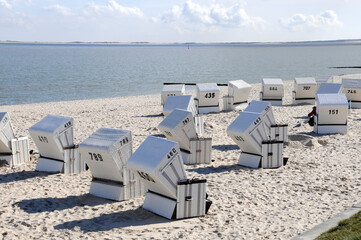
179	21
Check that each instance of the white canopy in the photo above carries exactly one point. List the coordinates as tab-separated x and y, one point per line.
265	109
179	126
331	99
328	88
51	134
240	90
272	81
207	87
351	82
248	131
323	79
106	152
184	102
173	88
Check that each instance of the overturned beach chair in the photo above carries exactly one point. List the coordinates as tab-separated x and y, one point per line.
272	91
207	98
158	163
54	138
260	140
14	150
172	90
304	91
331	114
352	89
106	153
180	127
185	102
238	92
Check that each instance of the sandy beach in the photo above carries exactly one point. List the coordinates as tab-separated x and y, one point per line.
321	179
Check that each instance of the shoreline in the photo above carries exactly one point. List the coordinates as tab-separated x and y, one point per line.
321	179
337	78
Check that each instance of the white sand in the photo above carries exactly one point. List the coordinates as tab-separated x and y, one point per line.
318	182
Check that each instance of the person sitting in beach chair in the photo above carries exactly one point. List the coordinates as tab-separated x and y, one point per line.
311	116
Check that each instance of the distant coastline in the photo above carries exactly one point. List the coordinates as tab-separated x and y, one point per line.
273	44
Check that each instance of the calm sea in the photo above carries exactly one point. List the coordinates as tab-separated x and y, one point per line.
55	72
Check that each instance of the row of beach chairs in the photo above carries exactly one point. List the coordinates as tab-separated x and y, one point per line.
156	168
305	92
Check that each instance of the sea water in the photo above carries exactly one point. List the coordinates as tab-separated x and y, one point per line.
56	72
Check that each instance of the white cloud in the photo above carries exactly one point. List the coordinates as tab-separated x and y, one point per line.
112	7
11	20
6	3
213	16
59	9
299	21
172	14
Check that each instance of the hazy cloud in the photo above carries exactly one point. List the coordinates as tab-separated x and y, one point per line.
213	16
11	19
112	7
59	9
299	21
6	3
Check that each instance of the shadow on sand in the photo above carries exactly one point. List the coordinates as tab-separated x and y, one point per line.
299	137
23	175
301	117
158	135
313	134
152	115
225	147
220	169
106	222
51	204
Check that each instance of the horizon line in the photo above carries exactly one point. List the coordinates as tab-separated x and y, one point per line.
355	41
